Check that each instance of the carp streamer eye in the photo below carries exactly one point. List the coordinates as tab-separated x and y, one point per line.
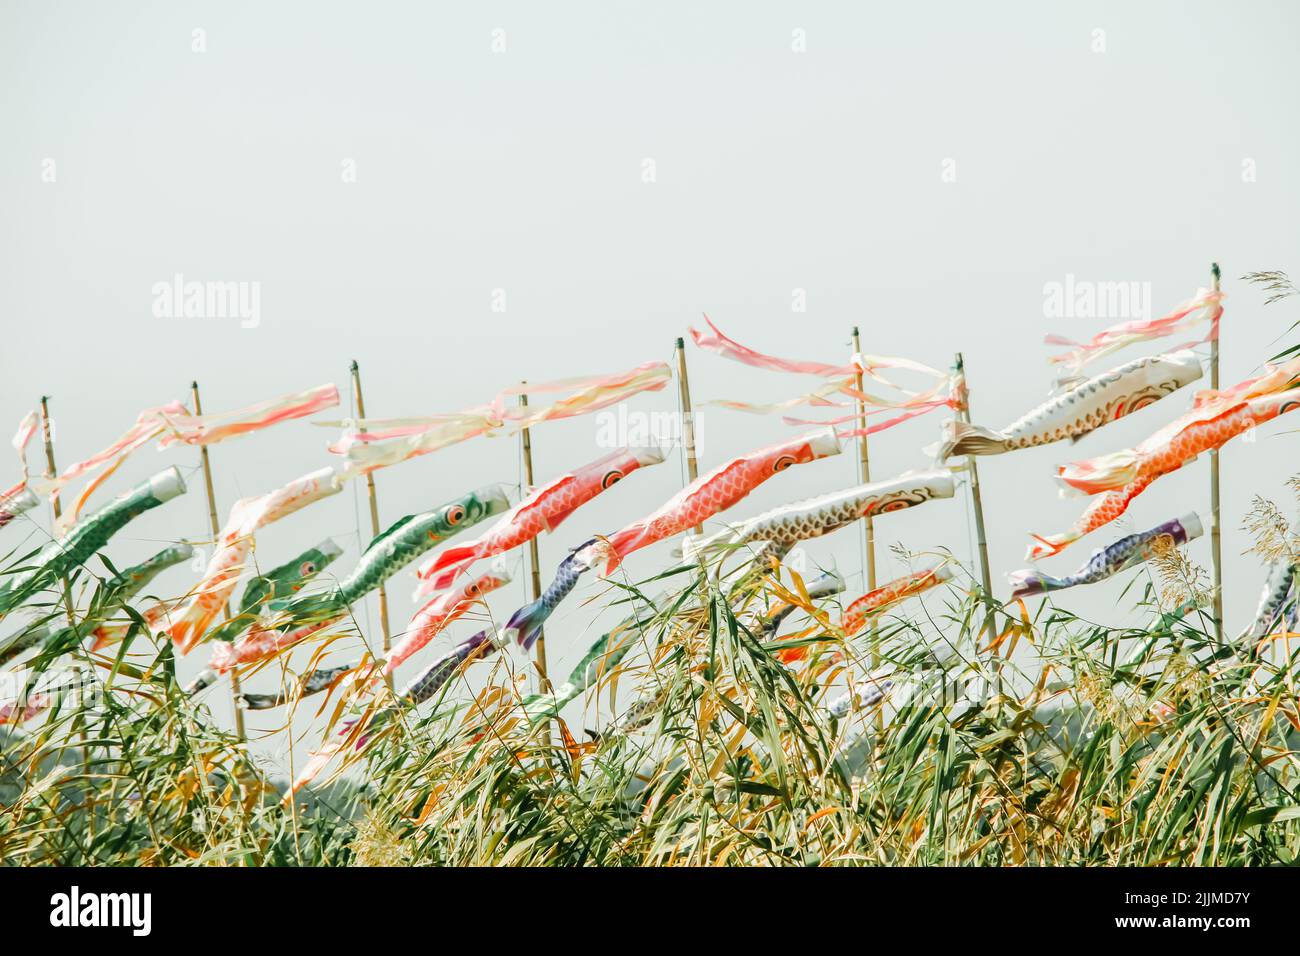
308	567
784	462
610	478
455	514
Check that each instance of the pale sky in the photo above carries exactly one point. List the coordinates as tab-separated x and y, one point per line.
794	147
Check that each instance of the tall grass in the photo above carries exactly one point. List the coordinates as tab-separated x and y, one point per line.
1047	740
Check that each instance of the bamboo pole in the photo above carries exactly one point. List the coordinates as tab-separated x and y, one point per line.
688	417
374	519
864	467
1216	541
236	691
51	472
869	544
534	560
977	502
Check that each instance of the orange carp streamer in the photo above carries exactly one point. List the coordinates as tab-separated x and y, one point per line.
1120	477
709	494
874	603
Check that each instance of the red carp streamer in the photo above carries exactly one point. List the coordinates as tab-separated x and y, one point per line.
543	510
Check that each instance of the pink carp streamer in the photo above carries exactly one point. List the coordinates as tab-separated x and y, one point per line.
709	494
194	617
17	713
1120	477
1204	306
433	618
173	423
262	642
543	510
379	443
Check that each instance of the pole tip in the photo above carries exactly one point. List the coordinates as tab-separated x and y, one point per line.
194	384
681	343
1214	270
353	367
855	330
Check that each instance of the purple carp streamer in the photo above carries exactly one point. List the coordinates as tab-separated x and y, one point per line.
1105	562
1079	410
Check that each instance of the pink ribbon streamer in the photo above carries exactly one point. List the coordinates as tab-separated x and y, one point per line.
378	443
1205	305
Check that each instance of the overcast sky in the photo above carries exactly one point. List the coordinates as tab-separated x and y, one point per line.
389	172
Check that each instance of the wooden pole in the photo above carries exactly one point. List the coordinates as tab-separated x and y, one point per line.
864	467
374	519
977	502
1216	541
236	692
688	417
534	560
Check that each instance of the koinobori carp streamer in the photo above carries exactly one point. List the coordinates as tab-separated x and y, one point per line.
543	510
440	611
720	489
388	553
59	558
1121	477
775	532
15	503
121	588
190	622
1081	409
874	603
1125	553
1278	591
